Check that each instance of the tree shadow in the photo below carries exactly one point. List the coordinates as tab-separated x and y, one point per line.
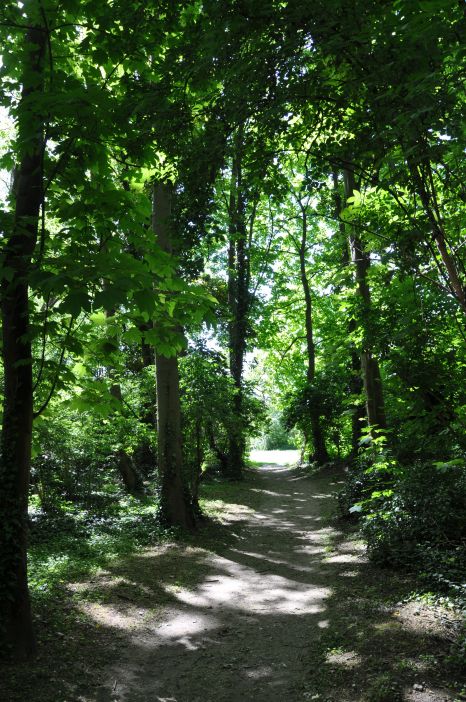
285	607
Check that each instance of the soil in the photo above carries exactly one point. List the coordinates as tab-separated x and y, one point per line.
276	603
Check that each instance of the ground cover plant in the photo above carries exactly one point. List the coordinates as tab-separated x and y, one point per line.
225	227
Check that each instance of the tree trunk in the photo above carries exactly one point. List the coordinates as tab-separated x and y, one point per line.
128	473
424	183
16	632
146	457
221	456
374	392
355	383
130	477
238	302
176	505
375	407
197	468
320	454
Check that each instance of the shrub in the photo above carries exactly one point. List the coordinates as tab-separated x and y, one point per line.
409	516
420	524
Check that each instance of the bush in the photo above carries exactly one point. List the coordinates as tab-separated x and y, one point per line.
412	516
420	524
426	506
278	437
373	473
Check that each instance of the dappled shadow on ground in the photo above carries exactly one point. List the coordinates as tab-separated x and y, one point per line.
281	605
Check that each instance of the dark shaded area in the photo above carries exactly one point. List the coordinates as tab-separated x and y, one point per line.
274	605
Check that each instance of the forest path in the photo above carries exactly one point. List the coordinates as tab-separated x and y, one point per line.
277	612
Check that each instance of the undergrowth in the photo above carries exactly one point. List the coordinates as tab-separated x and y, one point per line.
413	518
75	540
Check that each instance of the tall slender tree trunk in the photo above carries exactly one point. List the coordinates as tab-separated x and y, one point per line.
131	478
355	383
238	302
146	457
320	454
124	464
375	406
16	631
423	180
374	392
197	467
175	503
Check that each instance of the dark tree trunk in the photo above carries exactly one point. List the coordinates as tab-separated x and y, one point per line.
132	480
320	454
358	415
370	370
175	503
238	302
197	468
146	458
124	464
374	392
355	383
221	456
130	477
16	632
423	179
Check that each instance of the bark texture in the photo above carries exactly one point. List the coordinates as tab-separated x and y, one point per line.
16	631
320	454
175	502
356	382
375	406
132	480
176	507
238	302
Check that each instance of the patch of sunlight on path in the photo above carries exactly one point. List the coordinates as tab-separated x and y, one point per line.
281	458
238	625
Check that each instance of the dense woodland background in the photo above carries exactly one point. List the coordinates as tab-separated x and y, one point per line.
225	223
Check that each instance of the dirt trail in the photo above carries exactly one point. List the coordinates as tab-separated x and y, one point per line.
277	614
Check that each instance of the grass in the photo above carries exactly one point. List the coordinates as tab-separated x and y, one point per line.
284	458
374	645
217	495
68	547
75	541
90	558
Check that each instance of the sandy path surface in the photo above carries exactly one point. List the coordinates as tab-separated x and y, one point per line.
241	633
277	613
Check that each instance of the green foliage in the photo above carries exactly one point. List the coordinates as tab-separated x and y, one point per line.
408	517
326	393
383	689
256	113
77	455
74	541
278	437
208	412
413	517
